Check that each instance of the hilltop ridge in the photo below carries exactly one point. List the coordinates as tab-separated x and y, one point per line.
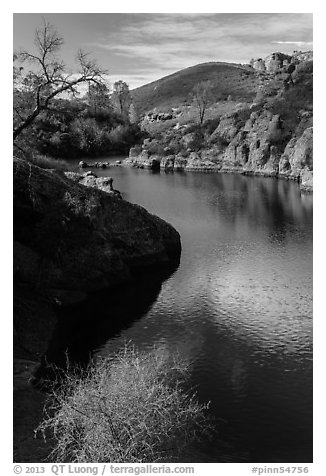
230	81
227	79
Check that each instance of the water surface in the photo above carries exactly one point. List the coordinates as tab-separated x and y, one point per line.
239	306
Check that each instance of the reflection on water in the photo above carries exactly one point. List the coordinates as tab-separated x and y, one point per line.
239	307
86	326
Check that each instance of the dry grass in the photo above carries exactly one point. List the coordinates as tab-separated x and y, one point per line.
189	116
175	90
46	162
129	408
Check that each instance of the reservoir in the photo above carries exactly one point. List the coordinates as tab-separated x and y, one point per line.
238	307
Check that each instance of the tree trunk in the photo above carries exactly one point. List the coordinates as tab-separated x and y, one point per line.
26	123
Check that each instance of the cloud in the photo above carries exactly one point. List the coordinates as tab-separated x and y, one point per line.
135	80
297	43
155	45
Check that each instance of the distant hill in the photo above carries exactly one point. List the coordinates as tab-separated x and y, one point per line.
235	81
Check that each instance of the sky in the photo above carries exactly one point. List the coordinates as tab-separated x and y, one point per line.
141	47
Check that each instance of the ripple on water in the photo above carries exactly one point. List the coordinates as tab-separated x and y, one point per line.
239	307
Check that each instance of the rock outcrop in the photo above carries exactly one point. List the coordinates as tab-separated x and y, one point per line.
98	165
144	160
277	62
89	179
155	116
196	163
254	147
75	237
261	145
167	163
298	155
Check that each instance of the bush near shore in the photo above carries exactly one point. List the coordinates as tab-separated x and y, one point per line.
129	408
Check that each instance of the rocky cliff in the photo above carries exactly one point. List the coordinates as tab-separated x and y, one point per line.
262	146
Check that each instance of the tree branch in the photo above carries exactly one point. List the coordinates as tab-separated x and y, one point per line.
51	81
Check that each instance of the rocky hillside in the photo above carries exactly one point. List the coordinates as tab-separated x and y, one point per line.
270	135
229	80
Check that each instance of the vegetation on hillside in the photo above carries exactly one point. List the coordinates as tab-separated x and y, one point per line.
295	103
193	128
128	408
235	82
202	96
195	136
51	118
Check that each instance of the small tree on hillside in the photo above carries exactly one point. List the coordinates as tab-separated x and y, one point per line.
99	101
201	97
48	78
121	98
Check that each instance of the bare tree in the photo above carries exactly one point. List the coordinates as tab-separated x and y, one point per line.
48	77
202	96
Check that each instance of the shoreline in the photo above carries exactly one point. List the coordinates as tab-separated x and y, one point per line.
305	185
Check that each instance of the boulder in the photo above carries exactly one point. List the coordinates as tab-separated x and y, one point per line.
101	183
89	179
259	64
167	163
227	128
180	163
167	117
144	161
89	173
146	143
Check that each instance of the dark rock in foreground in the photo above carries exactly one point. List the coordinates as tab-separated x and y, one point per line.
75	237
71	239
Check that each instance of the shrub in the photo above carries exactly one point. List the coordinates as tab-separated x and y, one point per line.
156	147
218	140
128	408
211	124
45	162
